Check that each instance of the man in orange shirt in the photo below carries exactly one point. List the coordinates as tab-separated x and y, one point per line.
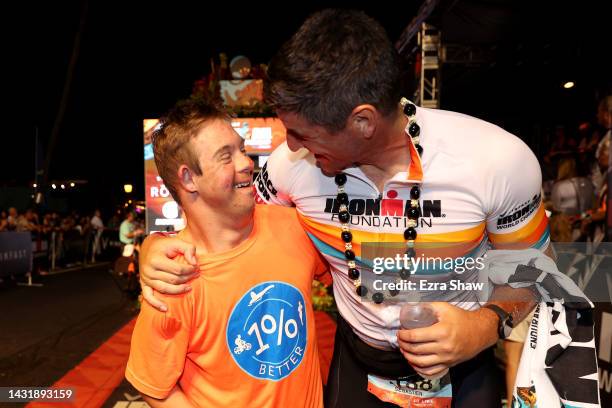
245	334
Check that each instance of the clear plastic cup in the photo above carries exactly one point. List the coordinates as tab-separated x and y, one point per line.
415	315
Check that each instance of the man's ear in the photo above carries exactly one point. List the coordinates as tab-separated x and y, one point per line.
185	176
363	120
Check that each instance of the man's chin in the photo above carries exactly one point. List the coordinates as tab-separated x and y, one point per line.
326	169
328	173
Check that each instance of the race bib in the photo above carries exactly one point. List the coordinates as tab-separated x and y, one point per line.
413	391
267	331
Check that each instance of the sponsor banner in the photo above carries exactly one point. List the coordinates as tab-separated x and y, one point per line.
15	253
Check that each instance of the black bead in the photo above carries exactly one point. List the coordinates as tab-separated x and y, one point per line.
346	236
353	273
404	273
350	255
340	179
413	213
410	253
409	109
410	234
344	216
419	149
393	292
378	298
342	198
414	129
361	290
415	192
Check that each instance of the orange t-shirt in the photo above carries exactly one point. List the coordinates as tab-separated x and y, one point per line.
245	334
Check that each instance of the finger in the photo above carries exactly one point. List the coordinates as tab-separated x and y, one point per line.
148	295
169	278
190	256
419	348
164	288
432	371
422	362
441	309
424	334
172	266
175	247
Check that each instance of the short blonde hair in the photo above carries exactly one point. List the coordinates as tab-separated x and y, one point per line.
171	146
567	169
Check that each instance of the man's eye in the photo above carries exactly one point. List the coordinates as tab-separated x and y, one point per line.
226	156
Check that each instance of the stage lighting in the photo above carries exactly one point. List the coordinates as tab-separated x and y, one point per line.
71	184
568	85
127	188
53	186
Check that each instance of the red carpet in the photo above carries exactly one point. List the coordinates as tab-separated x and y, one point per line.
96	377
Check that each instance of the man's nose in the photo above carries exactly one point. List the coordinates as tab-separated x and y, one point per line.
246	164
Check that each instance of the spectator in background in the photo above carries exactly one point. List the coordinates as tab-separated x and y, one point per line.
12	219
602	133
571	196
571	193
589	139
593	222
97	227
96	221
3	221
128	231
47	225
28	222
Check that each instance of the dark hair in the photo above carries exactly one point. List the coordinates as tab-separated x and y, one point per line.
337	60
171	141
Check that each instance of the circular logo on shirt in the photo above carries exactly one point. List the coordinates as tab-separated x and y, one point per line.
267	330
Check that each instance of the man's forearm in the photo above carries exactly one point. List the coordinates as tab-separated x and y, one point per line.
517	302
176	399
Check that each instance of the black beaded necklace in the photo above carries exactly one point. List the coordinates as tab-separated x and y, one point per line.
410	233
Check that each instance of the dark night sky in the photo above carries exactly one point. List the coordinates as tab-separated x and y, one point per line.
135	61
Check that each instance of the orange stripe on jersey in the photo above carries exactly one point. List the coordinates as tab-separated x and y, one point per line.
415	171
525	236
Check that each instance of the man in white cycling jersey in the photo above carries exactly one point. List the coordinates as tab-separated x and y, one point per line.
362	164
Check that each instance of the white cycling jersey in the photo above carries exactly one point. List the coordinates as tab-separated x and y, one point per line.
480	186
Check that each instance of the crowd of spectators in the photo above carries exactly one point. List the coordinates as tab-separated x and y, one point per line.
575	184
65	239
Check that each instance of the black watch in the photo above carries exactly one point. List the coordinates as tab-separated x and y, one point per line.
505	323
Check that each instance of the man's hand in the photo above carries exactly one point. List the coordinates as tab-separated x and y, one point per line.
159	271
458	336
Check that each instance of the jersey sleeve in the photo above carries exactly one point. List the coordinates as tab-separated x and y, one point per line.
160	343
515	211
273	183
301	238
